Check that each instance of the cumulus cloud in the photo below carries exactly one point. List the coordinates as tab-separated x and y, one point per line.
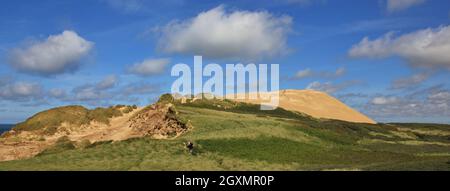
88	93
410	82
428	103
399	5
20	91
384	100
304	73
149	67
57	54
57	93
107	83
329	87
97	91
140	89
4	80
353	99
217	33
428	48
320	74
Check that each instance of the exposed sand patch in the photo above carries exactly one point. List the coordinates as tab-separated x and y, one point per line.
158	122
27	144
314	103
10	150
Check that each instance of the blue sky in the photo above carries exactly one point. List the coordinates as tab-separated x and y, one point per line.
386	58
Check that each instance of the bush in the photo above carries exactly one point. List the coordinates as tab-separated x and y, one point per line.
51	130
166	98
103	115
85	143
61	144
128	109
64	140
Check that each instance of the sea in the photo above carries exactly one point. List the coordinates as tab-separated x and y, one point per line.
5	127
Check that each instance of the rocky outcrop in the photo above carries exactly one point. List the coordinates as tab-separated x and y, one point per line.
158	121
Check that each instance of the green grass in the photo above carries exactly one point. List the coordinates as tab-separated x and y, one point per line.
241	137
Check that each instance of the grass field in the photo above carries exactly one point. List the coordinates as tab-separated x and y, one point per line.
245	138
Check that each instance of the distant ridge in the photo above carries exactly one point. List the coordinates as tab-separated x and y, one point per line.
317	104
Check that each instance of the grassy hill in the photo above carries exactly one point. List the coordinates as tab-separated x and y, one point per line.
238	136
47	122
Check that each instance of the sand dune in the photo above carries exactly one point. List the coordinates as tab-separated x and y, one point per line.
316	104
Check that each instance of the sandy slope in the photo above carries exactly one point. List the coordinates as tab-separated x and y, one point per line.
26	145
316	104
155	122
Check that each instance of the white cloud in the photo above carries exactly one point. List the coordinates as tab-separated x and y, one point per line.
399	5
304	73
94	91
220	34
428	48
384	100
149	67
4	80
140	89
55	55
88	93
107	83
57	93
427	103
329	87
19	91
321	74
440	96
340	72
410	82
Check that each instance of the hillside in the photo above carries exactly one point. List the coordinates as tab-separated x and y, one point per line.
83	126
316	104
238	136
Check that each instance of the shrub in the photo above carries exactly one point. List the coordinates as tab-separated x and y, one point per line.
103	115
51	130
61	144
85	143
128	109
166	98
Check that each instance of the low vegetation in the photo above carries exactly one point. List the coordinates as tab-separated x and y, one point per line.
237	136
